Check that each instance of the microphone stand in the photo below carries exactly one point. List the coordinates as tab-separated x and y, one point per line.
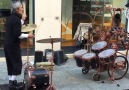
89	39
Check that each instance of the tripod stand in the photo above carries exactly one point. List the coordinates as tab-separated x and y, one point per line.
27	62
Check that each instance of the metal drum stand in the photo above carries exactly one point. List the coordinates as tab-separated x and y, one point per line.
51	40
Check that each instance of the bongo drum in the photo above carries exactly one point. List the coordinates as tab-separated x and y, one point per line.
78	56
99	46
107	55
89	60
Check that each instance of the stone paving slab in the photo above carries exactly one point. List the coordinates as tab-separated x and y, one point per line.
69	77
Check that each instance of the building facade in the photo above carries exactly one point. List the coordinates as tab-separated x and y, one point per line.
62	18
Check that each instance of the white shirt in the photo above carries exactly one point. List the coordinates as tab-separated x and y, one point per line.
23	35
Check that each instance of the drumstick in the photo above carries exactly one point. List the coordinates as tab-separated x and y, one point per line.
63	24
24	13
24	8
39	25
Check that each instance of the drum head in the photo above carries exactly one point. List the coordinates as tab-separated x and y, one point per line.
106	53
88	56
99	45
80	52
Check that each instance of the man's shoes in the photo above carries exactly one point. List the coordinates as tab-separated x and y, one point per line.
13	85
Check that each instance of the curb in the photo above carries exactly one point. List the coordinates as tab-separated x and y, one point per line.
24	58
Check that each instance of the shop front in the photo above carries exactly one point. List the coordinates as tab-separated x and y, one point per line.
65	17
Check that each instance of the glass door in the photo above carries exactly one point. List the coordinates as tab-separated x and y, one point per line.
5	11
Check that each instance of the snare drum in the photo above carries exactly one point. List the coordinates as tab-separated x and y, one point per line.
99	46
35	78
89	59
78	56
107	55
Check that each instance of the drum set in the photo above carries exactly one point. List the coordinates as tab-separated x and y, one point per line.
104	54
39	76
101	58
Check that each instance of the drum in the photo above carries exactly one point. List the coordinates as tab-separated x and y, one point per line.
89	59
78	56
99	46
36	78
107	55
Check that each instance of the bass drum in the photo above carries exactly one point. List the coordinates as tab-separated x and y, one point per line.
36	78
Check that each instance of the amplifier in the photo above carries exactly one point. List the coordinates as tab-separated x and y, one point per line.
59	57
38	56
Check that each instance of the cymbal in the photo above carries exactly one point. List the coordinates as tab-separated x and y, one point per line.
50	40
28	27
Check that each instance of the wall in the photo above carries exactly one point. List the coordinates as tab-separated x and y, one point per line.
30	11
46	12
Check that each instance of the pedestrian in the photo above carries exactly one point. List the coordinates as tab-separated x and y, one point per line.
12	38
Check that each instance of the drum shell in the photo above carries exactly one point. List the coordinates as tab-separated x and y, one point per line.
37	76
78	61
108	59
89	62
78	56
107	56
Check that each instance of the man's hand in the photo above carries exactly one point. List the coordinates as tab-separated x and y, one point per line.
24	17
30	35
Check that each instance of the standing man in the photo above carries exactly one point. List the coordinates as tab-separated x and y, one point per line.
12	38
126	12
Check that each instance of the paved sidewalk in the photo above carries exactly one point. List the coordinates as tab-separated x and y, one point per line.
70	77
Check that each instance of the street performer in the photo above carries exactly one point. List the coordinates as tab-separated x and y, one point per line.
12	38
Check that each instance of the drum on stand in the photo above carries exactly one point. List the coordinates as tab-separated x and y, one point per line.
78	56
36	78
99	46
89	59
107	55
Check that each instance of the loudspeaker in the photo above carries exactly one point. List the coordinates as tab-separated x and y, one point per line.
48	54
59	57
38	56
